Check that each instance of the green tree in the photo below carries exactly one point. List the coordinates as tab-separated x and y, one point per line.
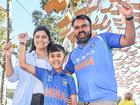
2	41
47	20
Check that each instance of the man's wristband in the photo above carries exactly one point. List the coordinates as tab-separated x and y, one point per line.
130	18
22	43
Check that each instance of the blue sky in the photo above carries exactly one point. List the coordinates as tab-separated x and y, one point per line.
21	20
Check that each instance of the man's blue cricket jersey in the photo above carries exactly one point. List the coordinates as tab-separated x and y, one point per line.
94	69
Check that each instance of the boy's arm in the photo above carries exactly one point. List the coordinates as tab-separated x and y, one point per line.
22	55
73	98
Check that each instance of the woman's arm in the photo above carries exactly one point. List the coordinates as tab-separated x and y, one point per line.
8	62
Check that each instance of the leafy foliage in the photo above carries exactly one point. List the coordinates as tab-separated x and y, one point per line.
10	93
43	2
2	33
2	41
2	16
47	20
2	26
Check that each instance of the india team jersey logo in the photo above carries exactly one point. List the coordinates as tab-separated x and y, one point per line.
65	82
92	45
49	78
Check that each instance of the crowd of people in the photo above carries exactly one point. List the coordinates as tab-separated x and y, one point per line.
42	80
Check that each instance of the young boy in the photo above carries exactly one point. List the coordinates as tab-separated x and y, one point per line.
58	86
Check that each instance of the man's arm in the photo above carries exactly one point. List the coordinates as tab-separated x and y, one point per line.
129	37
22	55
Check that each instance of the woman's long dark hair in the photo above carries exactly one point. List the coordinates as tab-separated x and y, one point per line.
46	30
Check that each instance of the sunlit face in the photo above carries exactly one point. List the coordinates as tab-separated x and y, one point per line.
56	59
41	40
82	30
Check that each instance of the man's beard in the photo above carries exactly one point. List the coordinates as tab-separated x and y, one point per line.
85	39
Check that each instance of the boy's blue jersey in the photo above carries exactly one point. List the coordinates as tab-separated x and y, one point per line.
94	69
57	86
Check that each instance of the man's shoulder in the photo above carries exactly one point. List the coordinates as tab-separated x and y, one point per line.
103	34
73	51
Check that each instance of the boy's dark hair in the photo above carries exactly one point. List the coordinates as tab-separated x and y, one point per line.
46	30
55	48
82	16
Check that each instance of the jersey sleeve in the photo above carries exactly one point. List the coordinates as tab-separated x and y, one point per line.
69	67
72	86
39	72
15	76
112	39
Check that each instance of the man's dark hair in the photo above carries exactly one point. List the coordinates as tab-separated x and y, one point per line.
46	30
82	16
55	48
